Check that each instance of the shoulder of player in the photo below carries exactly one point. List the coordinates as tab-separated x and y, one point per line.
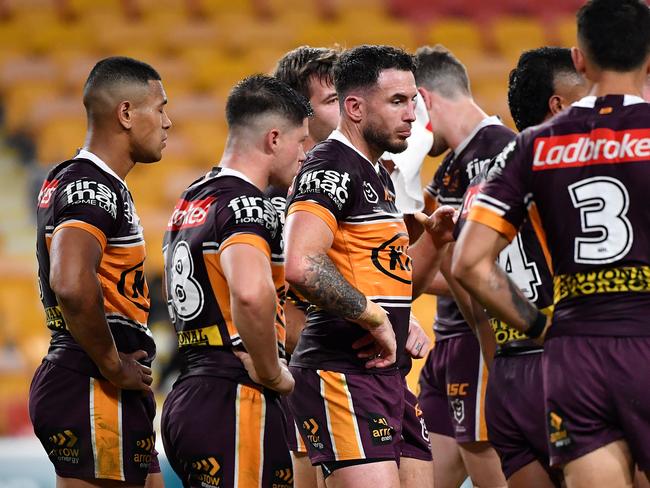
74	169
494	137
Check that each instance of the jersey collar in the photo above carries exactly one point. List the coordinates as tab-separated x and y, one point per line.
590	101
337	135
99	162
492	120
235	173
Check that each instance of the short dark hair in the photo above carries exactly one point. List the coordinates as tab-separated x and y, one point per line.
615	33
116	70
360	66
439	70
262	94
532	83
298	66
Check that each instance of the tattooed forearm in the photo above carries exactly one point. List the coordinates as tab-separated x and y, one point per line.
324	286
527	311
522	313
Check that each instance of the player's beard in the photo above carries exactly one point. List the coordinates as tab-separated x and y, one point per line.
380	138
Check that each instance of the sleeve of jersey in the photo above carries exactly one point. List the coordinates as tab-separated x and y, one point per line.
501	204
325	193
250	221
89	203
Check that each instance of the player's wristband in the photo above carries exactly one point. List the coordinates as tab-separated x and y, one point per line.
538	326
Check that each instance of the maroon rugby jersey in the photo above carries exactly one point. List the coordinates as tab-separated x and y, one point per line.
524	261
218	210
85	193
448	186
582	179
355	198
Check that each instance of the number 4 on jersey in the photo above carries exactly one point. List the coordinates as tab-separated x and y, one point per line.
521	270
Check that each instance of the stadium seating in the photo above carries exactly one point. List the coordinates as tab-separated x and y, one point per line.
201	48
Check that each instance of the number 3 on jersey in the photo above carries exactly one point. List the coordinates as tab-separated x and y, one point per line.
184	293
521	270
603	202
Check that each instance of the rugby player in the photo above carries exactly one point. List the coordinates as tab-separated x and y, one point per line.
580	176
309	71
453	379
347	254
222	425
90	401
543	83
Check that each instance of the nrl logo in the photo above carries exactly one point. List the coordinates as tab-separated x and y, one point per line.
458	406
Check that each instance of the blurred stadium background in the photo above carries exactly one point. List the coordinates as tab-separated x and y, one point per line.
201	48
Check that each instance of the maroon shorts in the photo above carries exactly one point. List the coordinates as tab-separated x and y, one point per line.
294	440
415	436
596	393
452	389
91	429
345	417
218	433
514	411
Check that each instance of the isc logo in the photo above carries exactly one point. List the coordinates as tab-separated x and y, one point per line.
457	389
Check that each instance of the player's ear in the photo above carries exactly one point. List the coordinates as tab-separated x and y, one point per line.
578	58
426	96
271	141
353	107
125	114
555	104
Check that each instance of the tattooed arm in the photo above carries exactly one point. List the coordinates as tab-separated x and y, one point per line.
474	266
310	270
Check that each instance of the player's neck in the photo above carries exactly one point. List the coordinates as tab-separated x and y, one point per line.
465	115
115	157
355	136
615	83
249	164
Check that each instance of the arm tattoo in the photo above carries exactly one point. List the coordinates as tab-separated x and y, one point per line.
325	287
526	311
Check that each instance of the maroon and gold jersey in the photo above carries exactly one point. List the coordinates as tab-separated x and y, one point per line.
216	211
581	179
448	186
85	193
355	198
524	261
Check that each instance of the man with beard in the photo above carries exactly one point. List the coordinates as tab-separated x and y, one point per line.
309	71
348	254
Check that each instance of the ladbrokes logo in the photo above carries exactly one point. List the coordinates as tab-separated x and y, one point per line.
206	472
64	447
45	195
92	193
391	259
329	182
600	146
380	431
470	196
189	214
311	429
256	210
